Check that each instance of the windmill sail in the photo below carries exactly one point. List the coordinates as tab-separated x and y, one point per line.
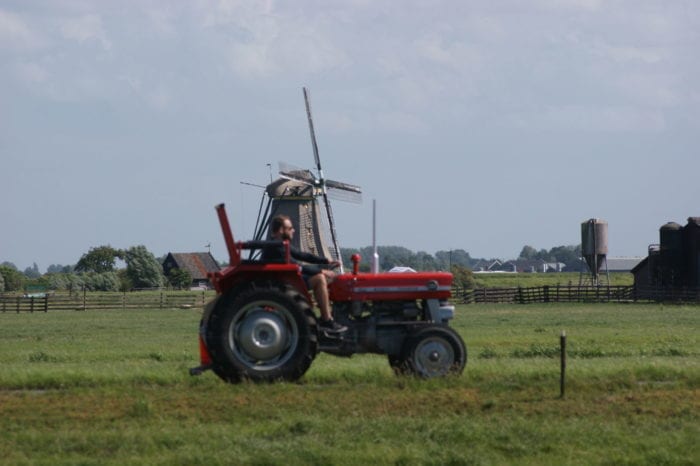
296	194
322	183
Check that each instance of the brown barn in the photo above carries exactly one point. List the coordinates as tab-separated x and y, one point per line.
198	264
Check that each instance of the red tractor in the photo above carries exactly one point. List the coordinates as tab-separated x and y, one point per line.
261	327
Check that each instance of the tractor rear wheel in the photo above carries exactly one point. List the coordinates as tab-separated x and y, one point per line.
433	351
262	334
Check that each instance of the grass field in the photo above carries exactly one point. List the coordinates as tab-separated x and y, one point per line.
111	387
507	280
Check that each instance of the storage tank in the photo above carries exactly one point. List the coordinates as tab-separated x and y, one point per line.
691	251
670	266
594	244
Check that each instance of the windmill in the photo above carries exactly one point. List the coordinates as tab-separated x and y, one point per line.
303	196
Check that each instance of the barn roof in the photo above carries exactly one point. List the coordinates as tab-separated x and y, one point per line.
198	264
623	264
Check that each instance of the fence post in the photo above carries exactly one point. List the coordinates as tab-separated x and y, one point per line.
161	299
84	299
18	298
46	303
546	293
562	378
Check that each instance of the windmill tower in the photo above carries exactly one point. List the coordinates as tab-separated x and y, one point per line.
594	251
305	198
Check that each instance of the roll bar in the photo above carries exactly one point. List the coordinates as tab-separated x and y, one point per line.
234	249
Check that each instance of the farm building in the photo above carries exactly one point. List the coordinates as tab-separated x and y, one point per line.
198	264
520	265
622	264
487	266
532	266
674	263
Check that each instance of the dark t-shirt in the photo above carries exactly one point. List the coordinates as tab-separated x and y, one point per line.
275	253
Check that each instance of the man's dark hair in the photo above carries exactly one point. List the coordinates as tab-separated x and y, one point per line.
277	222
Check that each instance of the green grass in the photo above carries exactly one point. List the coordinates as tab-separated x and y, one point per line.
111	387
508	280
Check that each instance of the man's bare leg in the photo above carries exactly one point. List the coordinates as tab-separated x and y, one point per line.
320	286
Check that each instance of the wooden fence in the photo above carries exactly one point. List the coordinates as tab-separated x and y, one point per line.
86	301
574	294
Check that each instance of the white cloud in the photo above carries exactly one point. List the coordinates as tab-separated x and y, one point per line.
585	5
31	73
645	55
160	98
399	121
655	90
15	34
252	60
590	119
86	28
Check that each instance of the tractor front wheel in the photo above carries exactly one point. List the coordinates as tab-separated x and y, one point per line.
433	351
262	334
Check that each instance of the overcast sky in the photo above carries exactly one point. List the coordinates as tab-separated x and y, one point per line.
480	125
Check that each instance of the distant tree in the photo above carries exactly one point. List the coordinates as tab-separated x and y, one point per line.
423	261
569	255
14	280
528	253
58	268
445	259
180	278
39	282
125	283
56	281
2	283
32	272
100	259
391	256
142	268
74	283
9	264
105	281
462	277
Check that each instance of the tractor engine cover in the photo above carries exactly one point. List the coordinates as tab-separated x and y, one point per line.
391	286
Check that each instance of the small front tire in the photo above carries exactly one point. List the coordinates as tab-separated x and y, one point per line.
433	351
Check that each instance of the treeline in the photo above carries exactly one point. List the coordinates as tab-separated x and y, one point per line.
393	256
97	270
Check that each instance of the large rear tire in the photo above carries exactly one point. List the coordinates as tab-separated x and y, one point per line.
264	333
433	351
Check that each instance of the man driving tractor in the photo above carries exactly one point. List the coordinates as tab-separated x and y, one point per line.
315	277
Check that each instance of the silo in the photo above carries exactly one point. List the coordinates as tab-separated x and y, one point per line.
691	251
594	245
670	266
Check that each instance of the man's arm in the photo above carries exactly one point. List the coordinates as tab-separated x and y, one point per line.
308	257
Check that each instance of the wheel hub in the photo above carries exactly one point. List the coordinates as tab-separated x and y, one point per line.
262	335
434	357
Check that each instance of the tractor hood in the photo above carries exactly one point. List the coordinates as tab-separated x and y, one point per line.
391	286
